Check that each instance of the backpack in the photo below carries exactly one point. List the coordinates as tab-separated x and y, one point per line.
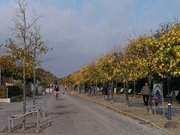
56	88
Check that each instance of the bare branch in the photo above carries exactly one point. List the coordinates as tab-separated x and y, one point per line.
33	22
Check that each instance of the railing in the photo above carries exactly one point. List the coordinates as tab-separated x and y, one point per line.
13	118
33	111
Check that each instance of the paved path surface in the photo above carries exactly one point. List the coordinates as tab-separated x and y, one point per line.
6	110
74	116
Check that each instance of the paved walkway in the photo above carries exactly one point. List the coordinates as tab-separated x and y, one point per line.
137	109
74	116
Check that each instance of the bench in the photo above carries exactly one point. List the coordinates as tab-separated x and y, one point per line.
5	100
175	92
121	90
130	91
170	95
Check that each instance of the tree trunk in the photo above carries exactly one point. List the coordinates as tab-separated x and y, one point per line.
126	92
134	91
112	90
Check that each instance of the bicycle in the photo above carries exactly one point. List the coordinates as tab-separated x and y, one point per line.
56	94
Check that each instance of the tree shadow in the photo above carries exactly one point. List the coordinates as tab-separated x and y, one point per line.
136	104
61	106
176	111
55	115
59	113
132	102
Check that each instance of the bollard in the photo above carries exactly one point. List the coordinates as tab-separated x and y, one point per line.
45	108
9	124
169	111
38	122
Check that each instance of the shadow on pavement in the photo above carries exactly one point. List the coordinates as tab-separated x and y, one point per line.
136	104
61	113
61	106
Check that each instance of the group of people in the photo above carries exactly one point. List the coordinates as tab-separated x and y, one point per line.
148	97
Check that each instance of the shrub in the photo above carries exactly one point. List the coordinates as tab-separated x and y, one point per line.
2	92
14	91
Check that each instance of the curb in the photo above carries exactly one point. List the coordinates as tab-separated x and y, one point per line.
126	114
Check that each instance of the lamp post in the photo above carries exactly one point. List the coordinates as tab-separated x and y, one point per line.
0	75
34	75
0	70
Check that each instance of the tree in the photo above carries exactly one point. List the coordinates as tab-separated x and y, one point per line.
122	72
36	48
23	34
167	59
105	67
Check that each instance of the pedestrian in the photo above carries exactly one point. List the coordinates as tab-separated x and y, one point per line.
178	97
105	91
145	93
157	96
56	90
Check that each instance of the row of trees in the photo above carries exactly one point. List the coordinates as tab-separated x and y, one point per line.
145	57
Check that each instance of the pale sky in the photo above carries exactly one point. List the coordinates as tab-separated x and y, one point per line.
79	31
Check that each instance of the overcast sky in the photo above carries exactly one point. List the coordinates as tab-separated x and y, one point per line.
79	31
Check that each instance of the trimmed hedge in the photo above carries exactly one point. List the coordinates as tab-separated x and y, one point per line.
2	92
14	91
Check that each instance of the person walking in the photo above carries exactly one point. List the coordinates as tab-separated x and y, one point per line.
145	93
157	95
56	90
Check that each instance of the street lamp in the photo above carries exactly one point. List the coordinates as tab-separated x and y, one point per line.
0	70
0	75
34	75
